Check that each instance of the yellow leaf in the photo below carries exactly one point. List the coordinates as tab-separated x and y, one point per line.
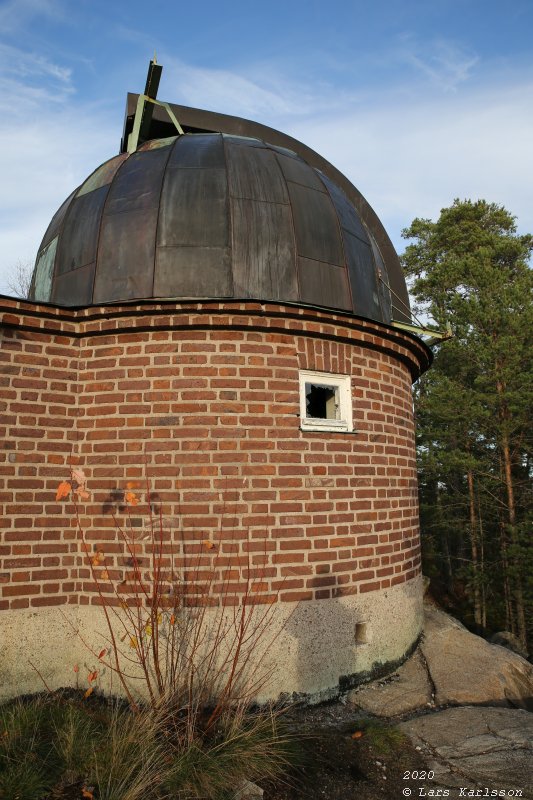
98	558
89	691
133	642
63	490
148	629
208	544
159	618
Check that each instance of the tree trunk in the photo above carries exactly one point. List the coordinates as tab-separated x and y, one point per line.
517	588
474	548
445	546
482	568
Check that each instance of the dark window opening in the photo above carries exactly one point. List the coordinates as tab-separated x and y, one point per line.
321	402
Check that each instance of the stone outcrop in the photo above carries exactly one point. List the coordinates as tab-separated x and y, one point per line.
451	667
465	669
407	690
476	747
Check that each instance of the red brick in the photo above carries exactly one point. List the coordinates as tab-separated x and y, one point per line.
164	402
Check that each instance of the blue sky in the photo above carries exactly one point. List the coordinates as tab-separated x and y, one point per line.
416	102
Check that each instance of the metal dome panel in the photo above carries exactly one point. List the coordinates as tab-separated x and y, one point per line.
214	215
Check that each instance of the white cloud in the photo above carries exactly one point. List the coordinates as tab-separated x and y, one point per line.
41	162
227	91
445	63
409	152
14	14
413	157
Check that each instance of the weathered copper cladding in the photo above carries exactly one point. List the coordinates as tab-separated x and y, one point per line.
220	215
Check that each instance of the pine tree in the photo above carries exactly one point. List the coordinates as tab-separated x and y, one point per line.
471	269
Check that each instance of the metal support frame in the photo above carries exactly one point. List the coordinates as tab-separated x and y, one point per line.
143	112
420	330
133	138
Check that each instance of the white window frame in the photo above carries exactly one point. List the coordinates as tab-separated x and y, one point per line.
343	389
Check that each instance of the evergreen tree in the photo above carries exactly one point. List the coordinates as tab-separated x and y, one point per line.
471	269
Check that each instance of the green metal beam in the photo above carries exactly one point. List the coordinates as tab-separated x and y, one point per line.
435	336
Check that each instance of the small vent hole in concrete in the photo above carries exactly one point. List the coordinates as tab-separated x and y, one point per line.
360	633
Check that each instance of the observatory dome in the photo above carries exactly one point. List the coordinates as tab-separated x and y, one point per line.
210	215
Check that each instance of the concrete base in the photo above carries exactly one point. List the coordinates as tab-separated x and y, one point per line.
314	649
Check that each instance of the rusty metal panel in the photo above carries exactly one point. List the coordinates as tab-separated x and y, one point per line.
126	253
41	282
324	285
348	216
200	150
193	208
264	264
138	184
74	288
255	173
193	272
363	278
79	236
155	144
317	228
385	298
57	220
295	169
103	175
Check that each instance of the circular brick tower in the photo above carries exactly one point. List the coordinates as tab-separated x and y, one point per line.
213	313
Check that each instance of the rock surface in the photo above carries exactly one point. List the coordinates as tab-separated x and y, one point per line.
451	667
407	690
477	747
465	669
248	791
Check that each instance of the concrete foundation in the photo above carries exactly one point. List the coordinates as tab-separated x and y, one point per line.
314	649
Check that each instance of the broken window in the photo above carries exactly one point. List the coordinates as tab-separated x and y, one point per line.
325	401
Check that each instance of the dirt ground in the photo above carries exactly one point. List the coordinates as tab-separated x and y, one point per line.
338	766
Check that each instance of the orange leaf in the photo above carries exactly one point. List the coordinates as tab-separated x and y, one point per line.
87	794
132	485
82	494
208	544
172	619
92	676
98	558
63	490
102	653
89	691
76	668
131	498
357	735
105	575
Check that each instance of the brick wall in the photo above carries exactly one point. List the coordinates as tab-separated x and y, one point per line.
196	410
